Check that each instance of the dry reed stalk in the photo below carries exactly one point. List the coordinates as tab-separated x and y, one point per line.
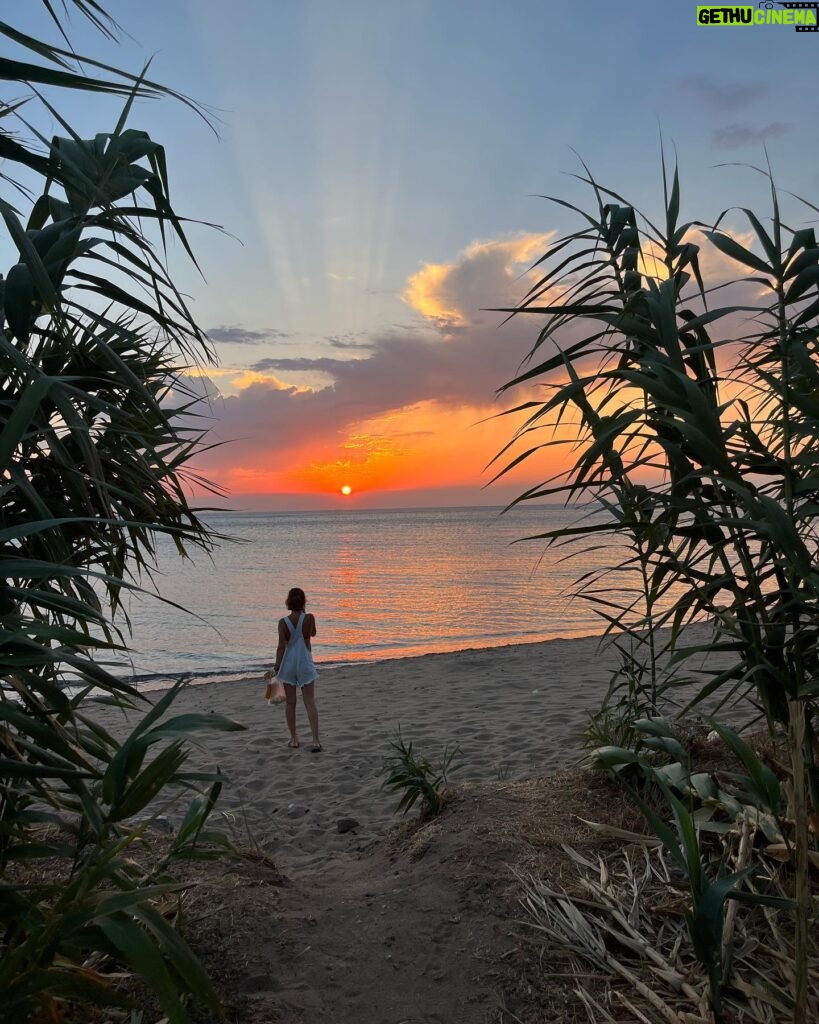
796	716
742	859
612	912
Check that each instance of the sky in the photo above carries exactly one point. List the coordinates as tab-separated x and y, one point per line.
378	169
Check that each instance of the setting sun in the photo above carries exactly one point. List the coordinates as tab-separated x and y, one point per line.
346	489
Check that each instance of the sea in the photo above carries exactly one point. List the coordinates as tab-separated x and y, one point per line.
381	583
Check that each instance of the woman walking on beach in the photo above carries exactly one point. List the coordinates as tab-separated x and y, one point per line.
294	664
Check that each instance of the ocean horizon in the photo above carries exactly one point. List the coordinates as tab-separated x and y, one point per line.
383	584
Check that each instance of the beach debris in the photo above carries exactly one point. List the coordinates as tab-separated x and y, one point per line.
158	821
347	825
296	810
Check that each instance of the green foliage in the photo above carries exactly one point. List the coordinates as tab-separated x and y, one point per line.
727	528
101	886
695	441
628	698
413	776
700	805
97	427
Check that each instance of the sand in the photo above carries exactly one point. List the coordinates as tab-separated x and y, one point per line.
514	712
397	921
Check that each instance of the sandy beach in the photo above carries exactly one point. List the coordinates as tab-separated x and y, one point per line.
513	711
394	920
398	920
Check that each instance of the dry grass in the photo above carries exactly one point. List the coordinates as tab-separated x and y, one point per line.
623	919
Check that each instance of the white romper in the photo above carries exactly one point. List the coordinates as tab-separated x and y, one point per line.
297	668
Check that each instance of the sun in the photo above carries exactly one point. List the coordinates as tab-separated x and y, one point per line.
346	489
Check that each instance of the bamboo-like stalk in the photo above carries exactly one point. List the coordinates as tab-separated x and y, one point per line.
743	856
731	524
796	712
800	814
95	464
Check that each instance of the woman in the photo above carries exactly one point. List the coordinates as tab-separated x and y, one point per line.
294	664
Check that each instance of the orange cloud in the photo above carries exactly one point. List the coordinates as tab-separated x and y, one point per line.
247	378
231	379
437	290
411	413
424	292
365	462
428	445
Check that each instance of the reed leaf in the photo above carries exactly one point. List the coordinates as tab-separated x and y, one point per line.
702	461
92	332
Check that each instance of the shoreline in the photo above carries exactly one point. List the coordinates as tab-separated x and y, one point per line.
514	712
220	677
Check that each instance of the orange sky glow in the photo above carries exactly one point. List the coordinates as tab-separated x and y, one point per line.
405	415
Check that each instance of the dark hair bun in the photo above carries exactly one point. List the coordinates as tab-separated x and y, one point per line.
296	599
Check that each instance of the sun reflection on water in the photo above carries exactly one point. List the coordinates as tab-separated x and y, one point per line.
381	584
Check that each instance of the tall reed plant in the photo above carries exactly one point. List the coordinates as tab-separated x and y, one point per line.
691	423
95	447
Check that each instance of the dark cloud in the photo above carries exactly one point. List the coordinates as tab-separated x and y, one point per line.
338	343
350	340
363	342
401	368
244	336
723	95
400	372
407	328
735	136
264	365
300	364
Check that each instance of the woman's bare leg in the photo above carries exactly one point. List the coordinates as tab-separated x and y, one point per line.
290	713
309	694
